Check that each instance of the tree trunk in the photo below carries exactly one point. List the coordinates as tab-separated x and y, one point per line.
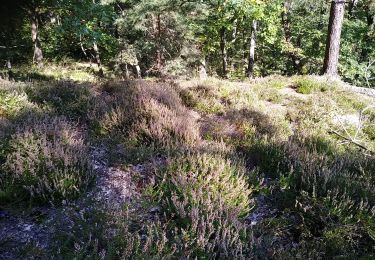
235	31
159	51
138	69
82	47
245	53
156	26
38	54
333	38
97	59
352	5
202	68
224	54
250	68
127	75
370	20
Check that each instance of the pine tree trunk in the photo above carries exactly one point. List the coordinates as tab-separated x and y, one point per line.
224	55
250	69
38	53
333	39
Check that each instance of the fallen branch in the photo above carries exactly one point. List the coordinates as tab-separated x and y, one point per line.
352	141
365	91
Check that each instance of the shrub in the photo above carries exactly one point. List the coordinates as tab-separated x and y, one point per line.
13	102
206	97
271	95
145	113
308	86
92	236
47	160
204	196
64	97
327	197
218	176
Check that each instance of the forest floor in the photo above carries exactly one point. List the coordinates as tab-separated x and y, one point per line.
273	168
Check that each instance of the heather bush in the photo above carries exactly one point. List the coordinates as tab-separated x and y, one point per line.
205	196
92	236
322	194
144	113
217	233
207	96
47	160
320	190
62	97
218	176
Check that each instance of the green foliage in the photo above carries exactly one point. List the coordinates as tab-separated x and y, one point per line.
13	103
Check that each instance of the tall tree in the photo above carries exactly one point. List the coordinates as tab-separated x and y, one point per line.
38	53
333	38
250	70
224	53
35	10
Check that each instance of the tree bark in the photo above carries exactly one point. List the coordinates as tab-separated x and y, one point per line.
202	68
38	53
159	51
333	38
97	58
370	20
250	69
352	5
138	69
370	15
224	55
156	26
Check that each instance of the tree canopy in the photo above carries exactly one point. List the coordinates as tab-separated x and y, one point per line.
178	36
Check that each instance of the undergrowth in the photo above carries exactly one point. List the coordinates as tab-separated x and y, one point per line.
46	159
219	152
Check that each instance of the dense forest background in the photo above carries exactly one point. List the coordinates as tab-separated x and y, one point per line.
227	38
